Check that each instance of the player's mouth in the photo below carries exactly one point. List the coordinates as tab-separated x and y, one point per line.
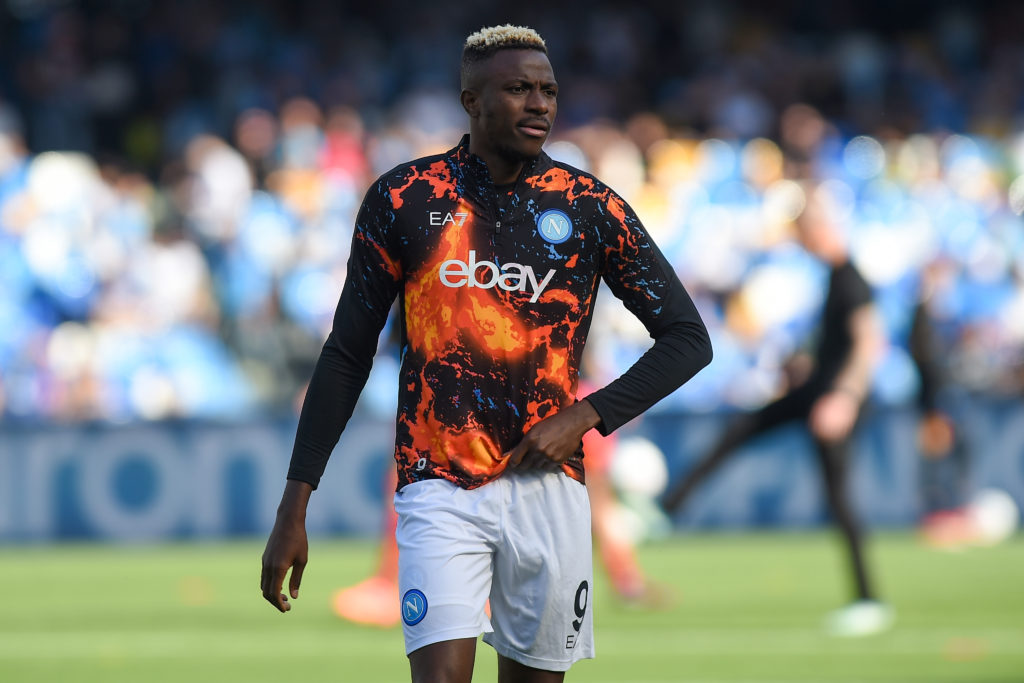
535	128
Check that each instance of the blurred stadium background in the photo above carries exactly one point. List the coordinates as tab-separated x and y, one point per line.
178	181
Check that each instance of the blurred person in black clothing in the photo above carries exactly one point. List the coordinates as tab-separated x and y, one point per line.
946	521
829	402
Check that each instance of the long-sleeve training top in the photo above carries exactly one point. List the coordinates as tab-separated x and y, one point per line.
496	290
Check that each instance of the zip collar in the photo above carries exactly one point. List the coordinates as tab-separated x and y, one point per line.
474	178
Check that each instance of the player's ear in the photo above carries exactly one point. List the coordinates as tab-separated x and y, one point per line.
470	102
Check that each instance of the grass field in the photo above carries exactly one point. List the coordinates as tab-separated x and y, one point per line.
749	609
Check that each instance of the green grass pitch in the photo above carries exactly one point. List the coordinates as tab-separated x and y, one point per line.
749	609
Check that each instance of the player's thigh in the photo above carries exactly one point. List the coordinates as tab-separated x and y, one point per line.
511	671
449	661
543	574
444	562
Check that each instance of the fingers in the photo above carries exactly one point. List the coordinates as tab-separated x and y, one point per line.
532	459
530	454
537	460
296	579
515	456
273	580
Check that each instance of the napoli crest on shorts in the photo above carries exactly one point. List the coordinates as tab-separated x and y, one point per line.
554	226
414	607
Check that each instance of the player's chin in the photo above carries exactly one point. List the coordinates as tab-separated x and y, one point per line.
529	146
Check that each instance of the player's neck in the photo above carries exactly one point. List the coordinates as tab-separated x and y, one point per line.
503	170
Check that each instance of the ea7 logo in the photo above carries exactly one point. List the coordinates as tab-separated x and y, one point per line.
510	277
437	218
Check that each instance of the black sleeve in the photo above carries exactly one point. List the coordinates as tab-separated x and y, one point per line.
642	278
371	284
855	288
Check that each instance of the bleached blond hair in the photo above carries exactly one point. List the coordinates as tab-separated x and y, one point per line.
505	36
485	42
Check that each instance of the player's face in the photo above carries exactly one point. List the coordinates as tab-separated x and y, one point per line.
516	103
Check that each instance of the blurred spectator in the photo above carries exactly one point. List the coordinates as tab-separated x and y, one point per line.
944	469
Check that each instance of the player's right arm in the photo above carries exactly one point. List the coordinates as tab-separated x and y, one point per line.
287	547
372	283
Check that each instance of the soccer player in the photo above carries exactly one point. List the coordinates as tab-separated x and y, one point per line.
495	253
828	402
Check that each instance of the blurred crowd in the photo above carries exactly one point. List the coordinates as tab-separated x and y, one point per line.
178	182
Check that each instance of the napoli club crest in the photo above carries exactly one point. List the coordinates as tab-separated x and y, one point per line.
554	226
414	607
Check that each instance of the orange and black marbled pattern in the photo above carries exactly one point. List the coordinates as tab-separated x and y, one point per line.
481	365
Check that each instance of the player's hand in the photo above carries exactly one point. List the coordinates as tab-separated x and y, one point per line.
833	416
553	440
287	548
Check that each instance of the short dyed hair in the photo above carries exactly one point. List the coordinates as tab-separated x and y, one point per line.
484	43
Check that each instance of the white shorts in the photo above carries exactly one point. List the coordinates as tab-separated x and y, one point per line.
523	541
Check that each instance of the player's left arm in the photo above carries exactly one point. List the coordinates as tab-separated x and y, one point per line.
640	276
835	412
